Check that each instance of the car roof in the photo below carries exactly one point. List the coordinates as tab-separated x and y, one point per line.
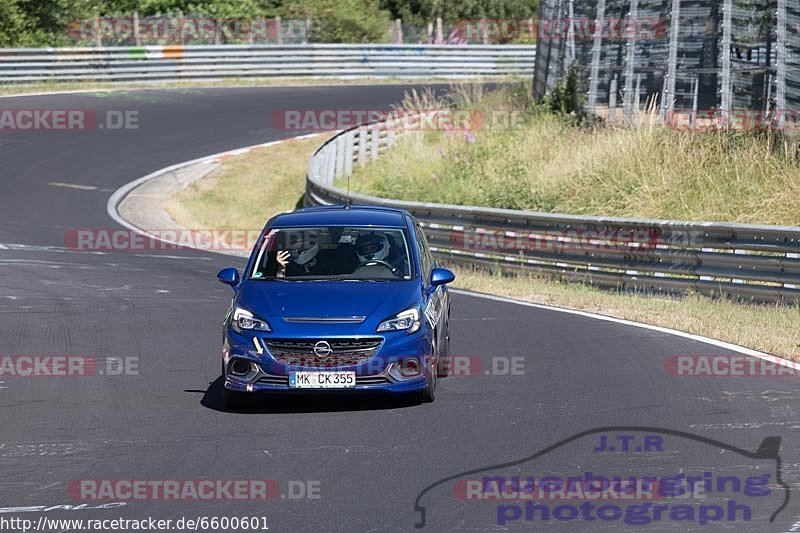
338	215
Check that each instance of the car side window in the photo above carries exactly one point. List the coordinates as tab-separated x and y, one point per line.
424	251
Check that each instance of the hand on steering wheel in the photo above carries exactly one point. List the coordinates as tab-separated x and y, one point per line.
371	262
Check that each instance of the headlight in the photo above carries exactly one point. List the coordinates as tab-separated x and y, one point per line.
408	320
244	319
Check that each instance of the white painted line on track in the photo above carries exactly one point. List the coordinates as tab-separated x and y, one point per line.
77	186
181	257
119	195
14	247
51	93
698	338
122	192
60	507
795	527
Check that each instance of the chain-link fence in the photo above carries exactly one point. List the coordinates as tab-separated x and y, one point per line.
720	61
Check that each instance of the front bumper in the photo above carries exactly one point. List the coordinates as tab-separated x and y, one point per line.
374	375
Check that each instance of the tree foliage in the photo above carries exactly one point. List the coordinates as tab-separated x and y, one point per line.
341	21
25	23
420	12
567	98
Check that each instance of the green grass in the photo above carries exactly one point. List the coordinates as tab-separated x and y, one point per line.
278	173
547	164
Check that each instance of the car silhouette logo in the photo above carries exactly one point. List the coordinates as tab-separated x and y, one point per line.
768	450
322	349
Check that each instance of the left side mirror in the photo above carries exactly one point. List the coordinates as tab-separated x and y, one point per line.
441	276
229	276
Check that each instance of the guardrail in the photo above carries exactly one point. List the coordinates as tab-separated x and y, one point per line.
172	63
754	262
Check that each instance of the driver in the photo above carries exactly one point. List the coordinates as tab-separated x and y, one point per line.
375	248
372	247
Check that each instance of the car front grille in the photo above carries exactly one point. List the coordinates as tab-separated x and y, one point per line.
274	380
372	380
344	351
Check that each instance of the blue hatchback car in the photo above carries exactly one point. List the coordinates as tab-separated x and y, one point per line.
337	299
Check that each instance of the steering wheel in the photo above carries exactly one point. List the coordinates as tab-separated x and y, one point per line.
373	262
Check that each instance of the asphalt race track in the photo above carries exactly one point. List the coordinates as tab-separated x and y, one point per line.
339	465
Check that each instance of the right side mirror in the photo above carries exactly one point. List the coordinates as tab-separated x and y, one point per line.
441	276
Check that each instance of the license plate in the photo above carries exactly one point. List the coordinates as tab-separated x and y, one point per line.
322	380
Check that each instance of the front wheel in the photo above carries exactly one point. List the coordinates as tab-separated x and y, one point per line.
233	400
428	394
445	365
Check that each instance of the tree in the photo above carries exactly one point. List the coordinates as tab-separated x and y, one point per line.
420	12
341	21
46	22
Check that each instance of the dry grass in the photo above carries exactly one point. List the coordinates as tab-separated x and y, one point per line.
546	164
278	173
771	329
247	190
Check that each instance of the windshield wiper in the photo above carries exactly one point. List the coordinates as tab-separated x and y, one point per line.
340	279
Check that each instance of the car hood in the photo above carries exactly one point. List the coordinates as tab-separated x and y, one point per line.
329	299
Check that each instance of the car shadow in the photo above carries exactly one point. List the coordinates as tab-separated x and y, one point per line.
264	403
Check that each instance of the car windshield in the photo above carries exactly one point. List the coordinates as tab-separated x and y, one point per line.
334	253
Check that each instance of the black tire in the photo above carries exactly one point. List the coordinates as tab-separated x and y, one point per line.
445	365
429	393
233	400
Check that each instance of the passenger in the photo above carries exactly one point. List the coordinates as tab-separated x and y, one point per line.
299	260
